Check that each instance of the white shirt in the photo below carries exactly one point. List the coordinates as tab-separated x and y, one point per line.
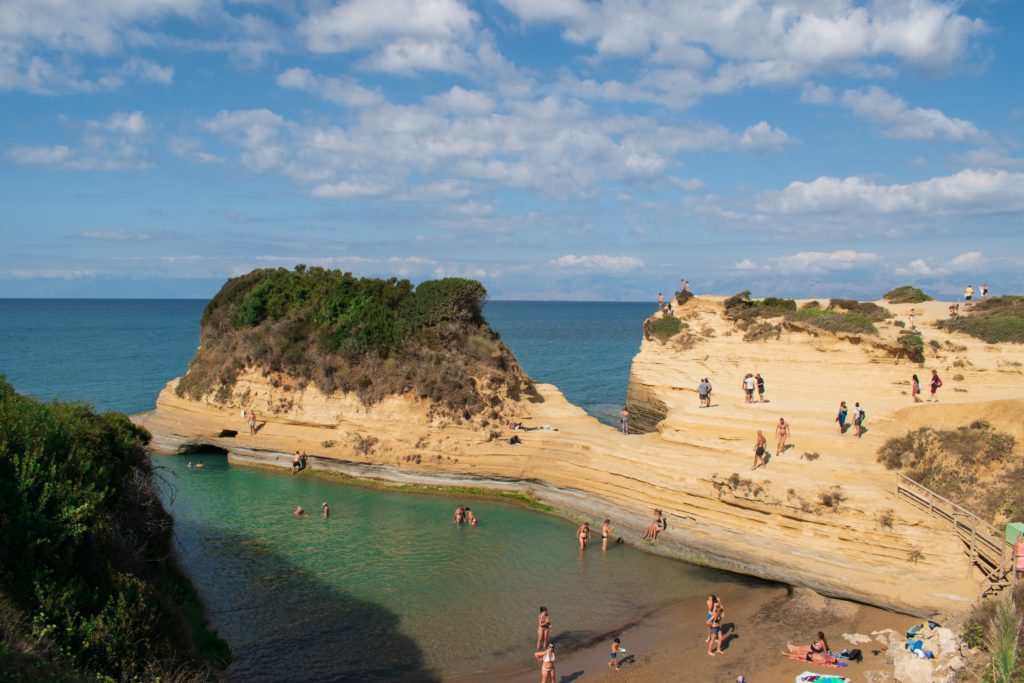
748	383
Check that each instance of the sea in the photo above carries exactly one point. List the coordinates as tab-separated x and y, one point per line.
386	588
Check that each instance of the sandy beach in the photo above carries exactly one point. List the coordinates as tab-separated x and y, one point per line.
669	645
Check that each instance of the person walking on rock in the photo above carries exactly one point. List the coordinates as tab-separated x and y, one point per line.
704	392
759	450
748	388
841	417
935	384
782	433
760	387
858	418
624	420
915	389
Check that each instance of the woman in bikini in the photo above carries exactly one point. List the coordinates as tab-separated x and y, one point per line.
654	528
546	657
819	646
805	655
781	433
715	629
470	517
543	628
583	534
606	531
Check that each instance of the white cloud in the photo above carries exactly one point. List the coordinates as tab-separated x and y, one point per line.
129	124
348	189
745	264
359	24
900	121
821	261
39	156
613	264
115	235
917	267
816	93
967	261
462	101
344	91
975	191
762	138
688	184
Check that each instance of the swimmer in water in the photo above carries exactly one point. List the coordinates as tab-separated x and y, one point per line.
460	514
470	517
200	465
299	512
326	508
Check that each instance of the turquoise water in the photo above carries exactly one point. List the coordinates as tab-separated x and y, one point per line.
388	588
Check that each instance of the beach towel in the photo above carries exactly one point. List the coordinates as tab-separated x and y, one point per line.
811	677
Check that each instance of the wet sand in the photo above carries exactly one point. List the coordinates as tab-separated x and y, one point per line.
669	645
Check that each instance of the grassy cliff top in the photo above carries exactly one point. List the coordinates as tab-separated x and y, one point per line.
365	335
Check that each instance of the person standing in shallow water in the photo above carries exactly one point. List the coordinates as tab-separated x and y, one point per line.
543	628
583	535
606	531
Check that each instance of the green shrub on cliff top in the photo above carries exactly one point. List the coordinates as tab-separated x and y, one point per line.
997	320
665	327
85	545
906	295
367	335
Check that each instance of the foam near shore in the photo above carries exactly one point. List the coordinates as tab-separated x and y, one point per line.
768	523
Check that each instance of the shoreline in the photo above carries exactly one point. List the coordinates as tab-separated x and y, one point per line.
660	640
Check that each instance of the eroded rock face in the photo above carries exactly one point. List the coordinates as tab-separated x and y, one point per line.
822	514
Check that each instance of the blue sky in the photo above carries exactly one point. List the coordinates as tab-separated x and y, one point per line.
553	149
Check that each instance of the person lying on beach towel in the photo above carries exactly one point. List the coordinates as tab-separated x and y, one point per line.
802	655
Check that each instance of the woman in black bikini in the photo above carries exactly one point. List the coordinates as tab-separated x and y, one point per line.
818	647
606	530
715	622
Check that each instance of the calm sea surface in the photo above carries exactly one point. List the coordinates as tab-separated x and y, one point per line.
387	588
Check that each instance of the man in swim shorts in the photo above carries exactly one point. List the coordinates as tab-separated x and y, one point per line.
759	450
748	387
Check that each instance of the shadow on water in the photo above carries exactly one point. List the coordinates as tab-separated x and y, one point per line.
284	624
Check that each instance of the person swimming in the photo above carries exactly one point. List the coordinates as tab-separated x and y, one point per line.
299	512
471	517
460	514
326	509
200	465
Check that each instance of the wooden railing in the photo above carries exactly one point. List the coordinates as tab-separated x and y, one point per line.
985	544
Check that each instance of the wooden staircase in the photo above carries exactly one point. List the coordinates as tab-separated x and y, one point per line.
985	545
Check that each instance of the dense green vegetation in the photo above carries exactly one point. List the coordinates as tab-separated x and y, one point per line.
369	336
664	327
974	466
996	320
841	315
88	586
906	295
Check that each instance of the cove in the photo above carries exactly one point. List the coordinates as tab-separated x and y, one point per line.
389	588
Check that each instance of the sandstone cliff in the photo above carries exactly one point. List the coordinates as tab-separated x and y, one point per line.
822	515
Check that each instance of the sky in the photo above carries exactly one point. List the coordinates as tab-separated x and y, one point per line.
552	149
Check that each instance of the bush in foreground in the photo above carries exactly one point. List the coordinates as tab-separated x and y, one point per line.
85	546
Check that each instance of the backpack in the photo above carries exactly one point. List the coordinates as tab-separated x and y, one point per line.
863	415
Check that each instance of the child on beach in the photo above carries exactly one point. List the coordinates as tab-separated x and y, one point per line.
616	650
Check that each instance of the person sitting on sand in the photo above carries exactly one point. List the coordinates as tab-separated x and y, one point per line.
841	417
759	450
471	517
781	433
804	655
819	646
299	512
543	628
460	514
715	625
546	658
583	535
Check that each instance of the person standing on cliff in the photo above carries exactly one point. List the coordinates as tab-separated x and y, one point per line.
624	420
936	383
760	387
759	450
841	417
1018	558
661	300
252	421
858	418
781	434
704	392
